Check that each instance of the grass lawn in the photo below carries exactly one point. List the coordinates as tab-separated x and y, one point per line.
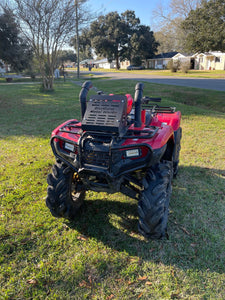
191	73
101	255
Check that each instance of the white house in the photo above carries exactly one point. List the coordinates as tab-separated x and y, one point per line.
105	64
102	63
160	61
214	60
184	59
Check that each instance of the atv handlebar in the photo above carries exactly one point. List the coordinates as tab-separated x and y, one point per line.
83	96
145	100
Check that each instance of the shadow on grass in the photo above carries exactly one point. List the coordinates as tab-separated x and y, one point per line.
195	227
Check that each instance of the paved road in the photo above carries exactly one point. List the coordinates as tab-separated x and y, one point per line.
210	84
202	83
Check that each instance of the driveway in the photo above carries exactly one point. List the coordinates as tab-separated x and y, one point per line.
202	83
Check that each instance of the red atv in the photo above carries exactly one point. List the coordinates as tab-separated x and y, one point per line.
120	145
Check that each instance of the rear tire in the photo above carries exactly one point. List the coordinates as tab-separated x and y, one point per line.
65	191
153	206
176	154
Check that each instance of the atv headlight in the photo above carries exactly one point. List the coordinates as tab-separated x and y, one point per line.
133	153
69	147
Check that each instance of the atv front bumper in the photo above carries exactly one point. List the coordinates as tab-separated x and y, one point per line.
103	164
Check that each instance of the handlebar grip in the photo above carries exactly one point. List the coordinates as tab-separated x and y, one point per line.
145	99
155	99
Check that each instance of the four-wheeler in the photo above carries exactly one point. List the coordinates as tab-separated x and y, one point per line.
121	145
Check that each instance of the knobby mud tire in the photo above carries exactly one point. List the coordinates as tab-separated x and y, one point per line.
153	206
65	193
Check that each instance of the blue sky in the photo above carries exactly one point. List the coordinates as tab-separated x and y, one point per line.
143	8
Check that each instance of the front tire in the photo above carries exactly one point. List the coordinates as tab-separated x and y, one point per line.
65	193
153	206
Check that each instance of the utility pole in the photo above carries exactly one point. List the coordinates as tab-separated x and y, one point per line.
77	38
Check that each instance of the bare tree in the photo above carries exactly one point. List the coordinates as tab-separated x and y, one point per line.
175	9
48	25
167	23
83	18
181	8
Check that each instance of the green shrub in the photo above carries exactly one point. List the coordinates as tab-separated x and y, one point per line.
185	67
173	66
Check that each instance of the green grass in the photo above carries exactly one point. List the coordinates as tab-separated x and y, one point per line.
209	100
191	73
101	255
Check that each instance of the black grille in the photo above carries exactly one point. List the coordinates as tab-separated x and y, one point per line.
95	150
96	158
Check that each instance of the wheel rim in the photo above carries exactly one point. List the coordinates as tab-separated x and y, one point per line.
74	193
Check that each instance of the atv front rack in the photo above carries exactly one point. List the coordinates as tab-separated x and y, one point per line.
71	124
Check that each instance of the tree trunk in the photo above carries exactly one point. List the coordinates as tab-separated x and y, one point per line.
77	39
117	62
48	83
47	80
